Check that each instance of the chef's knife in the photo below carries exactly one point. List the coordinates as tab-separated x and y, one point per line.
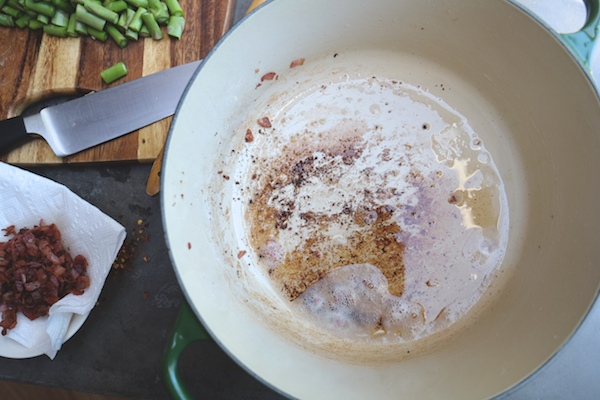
101	116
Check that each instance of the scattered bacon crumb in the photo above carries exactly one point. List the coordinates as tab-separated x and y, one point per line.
189	245
249	136
269	76
36	271
297	63
264	122
241	254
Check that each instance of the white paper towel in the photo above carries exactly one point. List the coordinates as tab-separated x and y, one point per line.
25	199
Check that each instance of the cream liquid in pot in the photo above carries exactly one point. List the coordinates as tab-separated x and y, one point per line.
370	205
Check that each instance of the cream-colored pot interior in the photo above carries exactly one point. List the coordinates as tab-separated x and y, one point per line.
525	96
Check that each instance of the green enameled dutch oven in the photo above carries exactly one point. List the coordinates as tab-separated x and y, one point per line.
527	92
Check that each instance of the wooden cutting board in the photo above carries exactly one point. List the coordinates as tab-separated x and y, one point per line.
35	67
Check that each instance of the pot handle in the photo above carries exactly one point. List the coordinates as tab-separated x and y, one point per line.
188	329
582	42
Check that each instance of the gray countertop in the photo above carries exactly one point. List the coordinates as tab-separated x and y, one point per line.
119	350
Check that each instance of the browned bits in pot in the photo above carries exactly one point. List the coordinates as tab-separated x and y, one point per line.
249	136
264	122
269	76
297	63
371	230
36	271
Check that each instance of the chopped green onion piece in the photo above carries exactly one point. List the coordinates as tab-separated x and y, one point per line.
117	36
113	73
100	11
55	30
7	20
71	32
19	5
41	7
23	21
91	20
80	27
60	18
125	19
138	3
159	10
96	34
175	26
13	12
136	22
144	32
43	19
152	25
174	7
34	24
122	22
131	35
117	6
64	5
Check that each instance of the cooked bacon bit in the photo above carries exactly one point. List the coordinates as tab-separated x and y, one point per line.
297	63
264	122
269	76
35	272
241	254
249	136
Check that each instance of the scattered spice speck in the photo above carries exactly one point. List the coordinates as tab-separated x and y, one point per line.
241	254
189	245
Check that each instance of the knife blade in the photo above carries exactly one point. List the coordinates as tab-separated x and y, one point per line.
98	117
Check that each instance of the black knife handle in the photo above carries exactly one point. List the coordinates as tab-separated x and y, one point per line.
12	134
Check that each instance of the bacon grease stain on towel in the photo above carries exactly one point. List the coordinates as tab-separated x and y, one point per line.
374	208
